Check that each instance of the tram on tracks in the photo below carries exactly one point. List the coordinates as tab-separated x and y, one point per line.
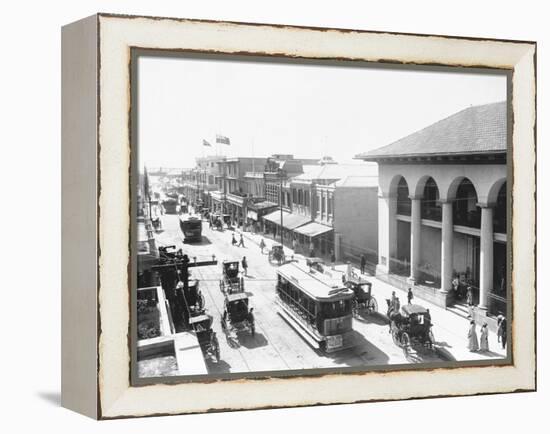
317	306
191	227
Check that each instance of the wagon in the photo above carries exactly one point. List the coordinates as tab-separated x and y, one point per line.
412	327
237	316
277	254
208	340
364	301
231	280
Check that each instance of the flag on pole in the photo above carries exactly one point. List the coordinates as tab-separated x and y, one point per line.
222	139
206	143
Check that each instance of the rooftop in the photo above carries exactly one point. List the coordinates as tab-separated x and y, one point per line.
316	284
474	130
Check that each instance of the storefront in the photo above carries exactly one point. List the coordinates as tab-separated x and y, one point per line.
255	213
320	236
290	222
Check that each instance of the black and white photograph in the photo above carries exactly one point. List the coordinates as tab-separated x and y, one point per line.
296	216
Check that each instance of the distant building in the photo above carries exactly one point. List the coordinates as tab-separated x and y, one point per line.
442	208
233	189
333	207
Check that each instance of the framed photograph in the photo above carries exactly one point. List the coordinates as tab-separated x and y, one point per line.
261	216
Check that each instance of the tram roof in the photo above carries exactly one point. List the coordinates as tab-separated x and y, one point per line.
315	283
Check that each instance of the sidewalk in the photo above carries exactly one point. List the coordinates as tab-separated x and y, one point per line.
450	330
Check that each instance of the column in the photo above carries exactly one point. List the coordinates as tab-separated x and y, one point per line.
338	246
485	255
416	226
387	233
446	245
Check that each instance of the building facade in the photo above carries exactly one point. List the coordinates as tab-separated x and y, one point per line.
442	222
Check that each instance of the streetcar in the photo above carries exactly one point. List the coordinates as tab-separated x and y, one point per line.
317	306
191	227
170	205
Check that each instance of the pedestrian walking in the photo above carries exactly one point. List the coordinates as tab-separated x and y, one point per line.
469	296
311	250
502	330
233	240
472	337
410	295
244	263
363	263
349	271
294	242
262	245
332	257
484	338
241	241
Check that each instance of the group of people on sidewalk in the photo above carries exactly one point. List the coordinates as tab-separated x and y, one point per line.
483	344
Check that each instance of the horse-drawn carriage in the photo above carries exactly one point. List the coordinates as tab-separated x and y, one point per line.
411	326
193	298
208	340
364	300
219	220
231	280
237	316
277	254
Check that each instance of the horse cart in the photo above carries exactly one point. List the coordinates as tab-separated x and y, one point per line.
363	301
193	299
208	340
411	327
231	280
277	254
237	316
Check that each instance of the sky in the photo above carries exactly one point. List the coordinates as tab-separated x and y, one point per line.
306	110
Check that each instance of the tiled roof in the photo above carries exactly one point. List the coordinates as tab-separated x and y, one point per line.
475	130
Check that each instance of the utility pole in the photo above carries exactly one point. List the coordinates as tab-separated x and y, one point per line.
224	187
281	177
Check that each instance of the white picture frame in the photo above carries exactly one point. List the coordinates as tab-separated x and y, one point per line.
96	139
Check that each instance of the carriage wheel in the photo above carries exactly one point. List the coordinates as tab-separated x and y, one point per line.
431	340
395	335
405	341
355	309
373	305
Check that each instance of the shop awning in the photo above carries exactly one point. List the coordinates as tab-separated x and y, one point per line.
313	229
290	220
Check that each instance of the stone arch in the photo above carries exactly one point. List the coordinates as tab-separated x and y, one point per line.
455	183
466	211
495	189
430	203
418	189
400	190
500	214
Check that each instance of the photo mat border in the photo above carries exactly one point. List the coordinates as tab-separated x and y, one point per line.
138	52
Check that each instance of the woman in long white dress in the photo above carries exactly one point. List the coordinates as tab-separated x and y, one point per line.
484	338
472	337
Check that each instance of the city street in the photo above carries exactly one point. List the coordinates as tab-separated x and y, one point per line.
276	345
